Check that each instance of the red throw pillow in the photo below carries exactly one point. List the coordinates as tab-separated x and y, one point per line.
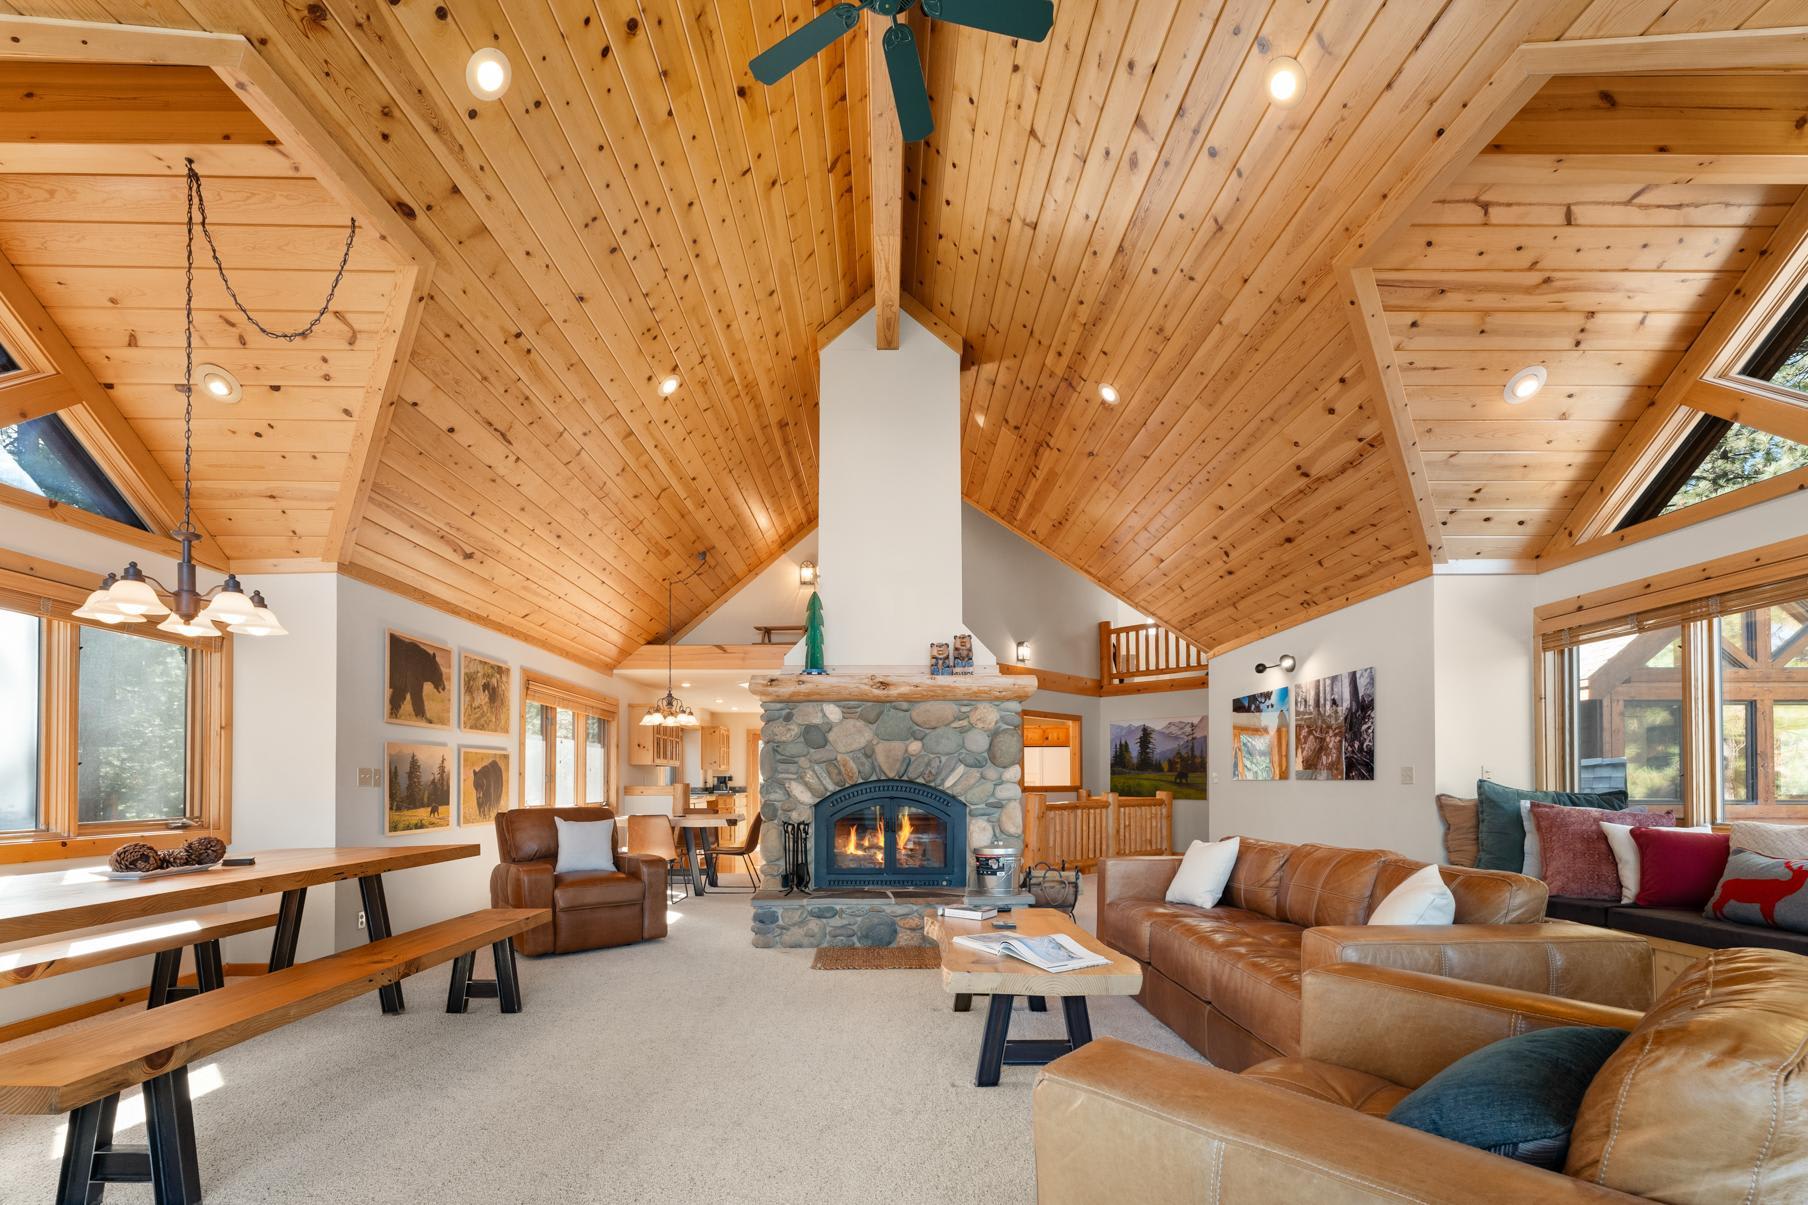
1677	869
1578	862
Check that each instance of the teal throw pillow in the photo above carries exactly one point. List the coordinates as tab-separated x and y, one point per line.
1516	1097
1500	830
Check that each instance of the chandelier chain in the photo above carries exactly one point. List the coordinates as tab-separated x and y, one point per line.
188	358
198	199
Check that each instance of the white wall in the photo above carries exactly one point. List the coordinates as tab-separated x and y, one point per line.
1391	632
771	596
889	497
1482	664
1015	591
429	893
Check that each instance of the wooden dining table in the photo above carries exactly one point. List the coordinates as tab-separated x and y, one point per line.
61	901
697	828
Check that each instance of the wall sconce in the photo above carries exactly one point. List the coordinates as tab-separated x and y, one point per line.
806	574
1285	664
1023	652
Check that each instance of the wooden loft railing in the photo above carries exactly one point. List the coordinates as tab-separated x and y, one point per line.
1145	657
1080	832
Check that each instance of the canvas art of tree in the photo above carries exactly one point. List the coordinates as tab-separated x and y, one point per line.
418	794
1148	756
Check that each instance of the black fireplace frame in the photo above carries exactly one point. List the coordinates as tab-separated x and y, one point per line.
892	793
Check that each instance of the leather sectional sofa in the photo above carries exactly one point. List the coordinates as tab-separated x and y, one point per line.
1227	979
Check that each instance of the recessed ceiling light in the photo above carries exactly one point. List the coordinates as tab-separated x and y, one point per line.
218	385
488	73
1524	384
742	685
668	387
1108	394
718	701
1286	81
686	685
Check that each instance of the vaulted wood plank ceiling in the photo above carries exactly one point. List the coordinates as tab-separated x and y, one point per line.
1118	204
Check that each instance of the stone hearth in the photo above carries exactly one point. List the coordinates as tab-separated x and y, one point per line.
970	749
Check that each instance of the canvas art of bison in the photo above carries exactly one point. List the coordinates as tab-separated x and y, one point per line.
420	682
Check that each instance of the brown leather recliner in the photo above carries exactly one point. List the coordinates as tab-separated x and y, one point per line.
1227	979
1704	1103
591	908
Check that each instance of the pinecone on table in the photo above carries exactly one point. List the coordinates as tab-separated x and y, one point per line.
172	857
205	851
134	856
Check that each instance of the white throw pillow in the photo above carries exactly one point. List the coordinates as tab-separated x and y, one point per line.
1626	855
585	845
1421	900
1204	872
1534	851
1771	840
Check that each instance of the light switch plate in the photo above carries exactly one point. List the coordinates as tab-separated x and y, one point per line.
369	778
1406	776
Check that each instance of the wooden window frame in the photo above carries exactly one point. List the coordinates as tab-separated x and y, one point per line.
1076	751
50	593
1692	599
539	689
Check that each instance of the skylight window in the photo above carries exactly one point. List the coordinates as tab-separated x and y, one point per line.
1716	458
42	456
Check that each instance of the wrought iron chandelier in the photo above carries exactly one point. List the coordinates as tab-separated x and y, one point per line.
671	711
132	596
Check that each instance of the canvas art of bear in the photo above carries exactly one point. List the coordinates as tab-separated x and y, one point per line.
412	669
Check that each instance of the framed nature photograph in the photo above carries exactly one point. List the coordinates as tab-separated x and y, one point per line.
418	678
1159	755
1334	727
1259	736
417	789
483	694
483	784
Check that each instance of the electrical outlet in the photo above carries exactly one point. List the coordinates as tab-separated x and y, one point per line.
369	778
1487	774
360	919
1406	776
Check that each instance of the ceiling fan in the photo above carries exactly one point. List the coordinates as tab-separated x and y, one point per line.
1028	19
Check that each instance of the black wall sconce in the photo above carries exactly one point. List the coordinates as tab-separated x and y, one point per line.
1285	664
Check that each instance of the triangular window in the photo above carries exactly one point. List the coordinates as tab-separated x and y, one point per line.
42	456
1717	457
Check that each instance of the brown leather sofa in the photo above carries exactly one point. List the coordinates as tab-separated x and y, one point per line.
1704	1103
591	908
1227	979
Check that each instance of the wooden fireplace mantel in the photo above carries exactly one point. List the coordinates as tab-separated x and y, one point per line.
887	687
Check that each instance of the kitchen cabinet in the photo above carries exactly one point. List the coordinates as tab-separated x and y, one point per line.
652	746
714	751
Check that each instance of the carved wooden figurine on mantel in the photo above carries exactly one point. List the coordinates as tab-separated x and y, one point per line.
940	663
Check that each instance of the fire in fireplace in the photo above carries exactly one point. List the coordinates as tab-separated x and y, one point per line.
890	833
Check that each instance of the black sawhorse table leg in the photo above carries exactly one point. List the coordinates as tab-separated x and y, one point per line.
963	1003
168	1163
996	1050
505	988
376	923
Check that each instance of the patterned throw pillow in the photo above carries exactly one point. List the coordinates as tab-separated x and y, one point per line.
1771	840
1578	862
1501	827
1461	840
1756	890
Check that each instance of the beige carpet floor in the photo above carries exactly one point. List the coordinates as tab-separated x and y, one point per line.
695	1069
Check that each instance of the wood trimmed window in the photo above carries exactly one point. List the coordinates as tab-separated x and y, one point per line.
567	756
1690	690
1052	752
117	733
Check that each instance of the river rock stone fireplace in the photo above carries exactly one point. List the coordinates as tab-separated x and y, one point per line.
897	793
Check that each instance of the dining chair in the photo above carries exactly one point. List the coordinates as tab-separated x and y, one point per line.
743	849
652	835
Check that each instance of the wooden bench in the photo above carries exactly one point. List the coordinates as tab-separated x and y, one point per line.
82	1072
165	938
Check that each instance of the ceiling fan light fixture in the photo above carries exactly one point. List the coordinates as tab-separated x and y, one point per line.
218	385
1286	82
488	73
1523	385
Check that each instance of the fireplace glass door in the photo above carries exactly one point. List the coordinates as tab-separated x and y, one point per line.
860	839
921	839
889	834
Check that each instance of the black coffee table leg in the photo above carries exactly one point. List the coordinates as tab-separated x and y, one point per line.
1079	1021
963	1002
1038	1004
991	1048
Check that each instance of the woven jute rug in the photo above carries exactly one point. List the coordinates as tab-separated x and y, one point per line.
881	958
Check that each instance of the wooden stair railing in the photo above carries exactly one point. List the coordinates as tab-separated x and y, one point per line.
1081	832
1147	656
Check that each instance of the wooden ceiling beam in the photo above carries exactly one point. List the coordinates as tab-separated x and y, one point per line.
33	397
121	103
707	656
1368	322
1653	167
888	188
1773	415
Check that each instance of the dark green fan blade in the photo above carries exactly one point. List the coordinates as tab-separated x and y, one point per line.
908	90
1028	19
775	63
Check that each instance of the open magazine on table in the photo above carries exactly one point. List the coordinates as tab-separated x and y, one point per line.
1055	952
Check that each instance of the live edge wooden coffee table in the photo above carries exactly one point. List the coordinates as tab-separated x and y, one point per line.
968	973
